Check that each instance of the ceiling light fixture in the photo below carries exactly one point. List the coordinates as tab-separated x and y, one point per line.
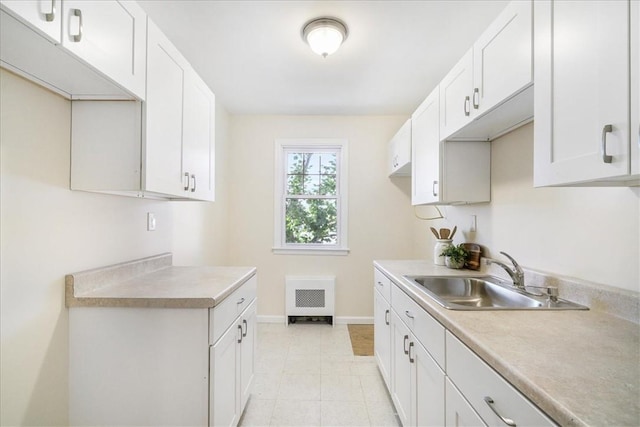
324	35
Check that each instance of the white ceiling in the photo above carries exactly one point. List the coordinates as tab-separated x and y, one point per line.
252	56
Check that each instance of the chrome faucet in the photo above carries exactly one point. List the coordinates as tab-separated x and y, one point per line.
517	275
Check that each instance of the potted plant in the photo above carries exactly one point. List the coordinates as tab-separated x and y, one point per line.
454	256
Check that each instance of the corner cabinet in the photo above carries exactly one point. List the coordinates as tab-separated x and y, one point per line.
446	172
79	49
586	93
162	148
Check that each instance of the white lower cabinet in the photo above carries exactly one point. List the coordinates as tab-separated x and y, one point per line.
459	412
233	365
417	382
435	379
382	334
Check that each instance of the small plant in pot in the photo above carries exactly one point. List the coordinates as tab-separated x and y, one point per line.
455	256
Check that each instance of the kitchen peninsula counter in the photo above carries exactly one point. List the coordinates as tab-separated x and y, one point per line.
579	367
154	282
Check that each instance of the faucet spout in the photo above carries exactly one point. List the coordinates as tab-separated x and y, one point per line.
516	274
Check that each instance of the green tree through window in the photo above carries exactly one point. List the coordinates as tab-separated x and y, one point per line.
311	202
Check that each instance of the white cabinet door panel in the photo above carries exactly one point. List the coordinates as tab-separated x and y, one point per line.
458	411
224	359
428	396
400	369
110	36
382	335
247	353
425	143
455	96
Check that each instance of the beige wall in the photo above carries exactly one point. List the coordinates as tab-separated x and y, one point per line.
589	233
48	231
379	208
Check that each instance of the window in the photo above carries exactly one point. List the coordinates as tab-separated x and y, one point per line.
311	196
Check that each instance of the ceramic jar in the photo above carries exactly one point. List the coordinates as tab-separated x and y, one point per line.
439	247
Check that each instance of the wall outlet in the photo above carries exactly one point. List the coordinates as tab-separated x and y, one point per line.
151	221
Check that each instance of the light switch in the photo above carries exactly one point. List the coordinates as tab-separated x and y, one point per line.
151	221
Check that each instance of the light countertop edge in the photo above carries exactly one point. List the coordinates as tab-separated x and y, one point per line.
579	367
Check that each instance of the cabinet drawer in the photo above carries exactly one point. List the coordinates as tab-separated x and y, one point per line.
476	381
224	314
382	284
427	330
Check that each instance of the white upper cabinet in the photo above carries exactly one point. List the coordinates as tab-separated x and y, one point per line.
446	172
109	36
79	49
582	133
400	151
161	148
44	16
485	94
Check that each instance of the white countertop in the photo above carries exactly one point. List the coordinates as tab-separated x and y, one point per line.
580	367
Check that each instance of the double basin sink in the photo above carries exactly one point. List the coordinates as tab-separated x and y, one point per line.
487	293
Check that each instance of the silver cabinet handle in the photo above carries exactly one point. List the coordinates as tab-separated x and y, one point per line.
386	317
49	17
195	183
476	94
406	338
380	283
408	314
508	421
240	336
467	109
605	157
240	301
186	185
433	188
411	359
77	37
246	328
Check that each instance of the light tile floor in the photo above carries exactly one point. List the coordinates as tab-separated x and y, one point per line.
307	375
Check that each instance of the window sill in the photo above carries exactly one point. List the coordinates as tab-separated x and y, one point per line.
311	251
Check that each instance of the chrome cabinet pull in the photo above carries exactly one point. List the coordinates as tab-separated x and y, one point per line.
380	283
246	328
605	157
406	338
49	17
186	185
508	421
476	94
195	183
77	37
408	314
240	301
411	359
433	188
467	110
386	317
240	337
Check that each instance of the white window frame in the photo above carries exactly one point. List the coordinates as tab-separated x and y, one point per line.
283	145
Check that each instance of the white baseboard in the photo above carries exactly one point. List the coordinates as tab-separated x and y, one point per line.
339	320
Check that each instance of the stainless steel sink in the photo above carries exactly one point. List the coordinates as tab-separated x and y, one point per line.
480	293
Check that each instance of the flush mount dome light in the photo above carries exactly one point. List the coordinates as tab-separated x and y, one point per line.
324	35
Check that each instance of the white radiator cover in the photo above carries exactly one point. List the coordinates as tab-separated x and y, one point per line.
310	295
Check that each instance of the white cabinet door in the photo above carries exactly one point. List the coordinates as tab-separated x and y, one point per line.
110	36
459	412
198	138
42	15
224	406
400	151
455	96
163	113
428	397
400	369
581	91
502	57
247	353
382	334
425	143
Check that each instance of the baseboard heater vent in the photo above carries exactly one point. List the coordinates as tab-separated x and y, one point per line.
311	297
